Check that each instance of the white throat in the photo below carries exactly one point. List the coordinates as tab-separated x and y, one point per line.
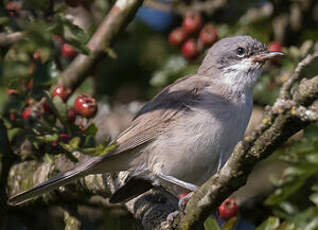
243	76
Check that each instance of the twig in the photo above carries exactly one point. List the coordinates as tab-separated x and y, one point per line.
115	21
9	39
285	90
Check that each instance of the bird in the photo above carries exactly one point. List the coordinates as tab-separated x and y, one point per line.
186	133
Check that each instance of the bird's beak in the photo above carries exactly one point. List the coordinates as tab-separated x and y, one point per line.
266	56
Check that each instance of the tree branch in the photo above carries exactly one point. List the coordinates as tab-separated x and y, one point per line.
116	20
9	39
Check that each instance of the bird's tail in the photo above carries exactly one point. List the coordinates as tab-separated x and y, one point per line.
47	186
61	179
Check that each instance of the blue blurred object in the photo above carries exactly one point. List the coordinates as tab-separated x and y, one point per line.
158	20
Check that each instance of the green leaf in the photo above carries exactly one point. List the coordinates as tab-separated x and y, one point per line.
13	132
91	130
270	224
99	150
74	143
48	138
211	224
230	224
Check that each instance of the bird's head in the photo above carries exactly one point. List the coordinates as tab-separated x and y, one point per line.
236	61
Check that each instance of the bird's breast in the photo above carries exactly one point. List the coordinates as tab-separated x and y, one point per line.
190	149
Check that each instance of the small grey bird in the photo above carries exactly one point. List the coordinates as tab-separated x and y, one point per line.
186	133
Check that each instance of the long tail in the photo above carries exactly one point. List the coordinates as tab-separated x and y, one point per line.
47	186
85	168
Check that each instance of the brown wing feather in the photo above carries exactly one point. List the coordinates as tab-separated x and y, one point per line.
154	117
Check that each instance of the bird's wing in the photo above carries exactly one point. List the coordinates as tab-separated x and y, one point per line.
148	124
155	116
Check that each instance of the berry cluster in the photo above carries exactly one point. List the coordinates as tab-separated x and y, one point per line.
192	36
38	112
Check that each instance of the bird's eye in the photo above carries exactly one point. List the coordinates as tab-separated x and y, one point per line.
240	52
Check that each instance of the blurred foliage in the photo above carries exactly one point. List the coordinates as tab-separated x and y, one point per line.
143	62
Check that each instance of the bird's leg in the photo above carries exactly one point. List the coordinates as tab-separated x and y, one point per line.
181	183
183	201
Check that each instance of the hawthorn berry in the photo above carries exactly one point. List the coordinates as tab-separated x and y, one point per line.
68	51
12	116
228	209
26	113
177	36
13	7
64	137
190	49
208	35
61	91
85	105
10	92
29	85
192	22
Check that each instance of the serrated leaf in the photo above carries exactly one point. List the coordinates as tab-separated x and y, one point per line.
230	224
91	130
211	224
270	224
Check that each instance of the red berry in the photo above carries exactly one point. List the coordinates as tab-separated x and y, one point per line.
190	49
85	105
228	209
13	7
68	51
10	92
30	85
177	36
26	113
192	22
54	143
61	91
71	115
275	46
208	35
64	137
37	55
12	116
